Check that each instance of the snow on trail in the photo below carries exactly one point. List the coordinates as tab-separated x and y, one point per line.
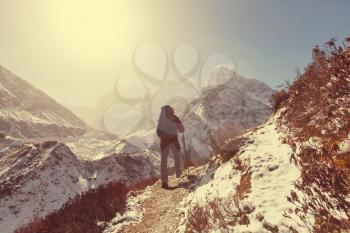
156	210
132	215
272	180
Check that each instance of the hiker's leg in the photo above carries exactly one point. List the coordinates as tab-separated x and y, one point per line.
177	154
164	164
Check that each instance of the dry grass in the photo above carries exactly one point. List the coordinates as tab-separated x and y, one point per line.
81	214
223	213
34	226
231	148
278	98
317	107
319	98
270	227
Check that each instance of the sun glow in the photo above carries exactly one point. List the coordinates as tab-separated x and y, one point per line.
94	29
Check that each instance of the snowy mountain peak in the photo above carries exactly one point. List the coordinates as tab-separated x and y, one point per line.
224	111
256	89
27	112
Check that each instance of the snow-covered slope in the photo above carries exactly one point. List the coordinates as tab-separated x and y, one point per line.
27	112
292	173
48	155
36	179
224	111
37	176
272	178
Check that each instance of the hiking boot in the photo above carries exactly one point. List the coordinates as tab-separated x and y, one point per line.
165	186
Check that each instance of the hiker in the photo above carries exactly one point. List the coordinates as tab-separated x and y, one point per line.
167	129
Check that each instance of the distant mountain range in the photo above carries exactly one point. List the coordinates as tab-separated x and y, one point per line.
27	112
48	154
222	76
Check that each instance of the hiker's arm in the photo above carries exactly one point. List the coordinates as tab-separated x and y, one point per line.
180	126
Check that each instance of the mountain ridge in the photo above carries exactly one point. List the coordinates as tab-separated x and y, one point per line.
223	111
27	112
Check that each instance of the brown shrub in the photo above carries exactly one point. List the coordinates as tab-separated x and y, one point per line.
259	216
324	192
231	148
223	213
199	220
244	185
278	98
218	213
239	165
317	105
34	226
81	214
319	97
270	227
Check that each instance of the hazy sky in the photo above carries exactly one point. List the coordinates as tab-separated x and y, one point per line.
75	49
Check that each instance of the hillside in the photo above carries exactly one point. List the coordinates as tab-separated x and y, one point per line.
27	112
38	178
286	171
49	156
290	174
315	110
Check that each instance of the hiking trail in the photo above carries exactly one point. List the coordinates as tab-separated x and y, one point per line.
162	208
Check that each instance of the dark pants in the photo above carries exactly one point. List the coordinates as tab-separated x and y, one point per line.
167	145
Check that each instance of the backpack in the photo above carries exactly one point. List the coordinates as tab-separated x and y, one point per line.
162	134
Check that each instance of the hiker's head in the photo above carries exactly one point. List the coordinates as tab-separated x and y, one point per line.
169	111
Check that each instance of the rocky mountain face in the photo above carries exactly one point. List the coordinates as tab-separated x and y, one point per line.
256	89
27	112
37	178
48	155
224	111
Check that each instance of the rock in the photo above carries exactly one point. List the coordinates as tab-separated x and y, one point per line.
273	167
344	146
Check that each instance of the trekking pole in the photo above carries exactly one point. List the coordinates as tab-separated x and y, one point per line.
185	151
182	156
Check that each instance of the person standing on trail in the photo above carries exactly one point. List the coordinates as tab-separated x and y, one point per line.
167	130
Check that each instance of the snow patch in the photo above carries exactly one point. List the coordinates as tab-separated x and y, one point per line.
272	180
132	215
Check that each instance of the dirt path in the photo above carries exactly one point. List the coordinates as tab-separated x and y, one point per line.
161	214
